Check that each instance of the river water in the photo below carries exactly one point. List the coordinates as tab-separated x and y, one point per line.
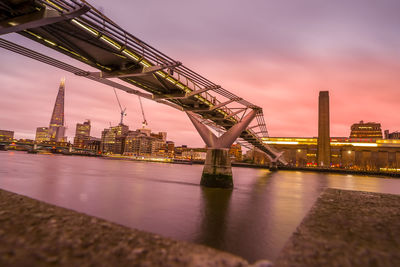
254	220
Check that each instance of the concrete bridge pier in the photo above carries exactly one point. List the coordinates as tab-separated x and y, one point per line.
273	162
217	170
273	166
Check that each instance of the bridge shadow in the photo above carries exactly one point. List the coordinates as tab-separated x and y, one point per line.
214	212
227	223
217	212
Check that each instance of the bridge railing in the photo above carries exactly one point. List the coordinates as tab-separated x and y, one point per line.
146	54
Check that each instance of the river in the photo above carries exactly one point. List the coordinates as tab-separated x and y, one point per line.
254	220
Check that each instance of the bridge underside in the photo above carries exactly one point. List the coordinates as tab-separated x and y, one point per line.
74	28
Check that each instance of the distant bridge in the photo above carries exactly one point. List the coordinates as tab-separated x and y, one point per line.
76	29
45	146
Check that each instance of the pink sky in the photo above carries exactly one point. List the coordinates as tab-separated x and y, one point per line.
276	55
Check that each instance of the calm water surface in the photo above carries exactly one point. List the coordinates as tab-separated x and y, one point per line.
254	220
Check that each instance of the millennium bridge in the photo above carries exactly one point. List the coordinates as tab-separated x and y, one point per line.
78	30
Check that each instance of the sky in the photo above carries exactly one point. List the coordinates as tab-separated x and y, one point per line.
275	54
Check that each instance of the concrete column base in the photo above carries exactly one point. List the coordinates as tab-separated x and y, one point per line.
273	166
217	170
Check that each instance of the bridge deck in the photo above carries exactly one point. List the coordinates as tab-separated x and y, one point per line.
76	29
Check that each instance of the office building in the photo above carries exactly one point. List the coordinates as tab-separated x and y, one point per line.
392	135
235	152
82	134
113	139
366	130
145	143
42	134
170	149
6	136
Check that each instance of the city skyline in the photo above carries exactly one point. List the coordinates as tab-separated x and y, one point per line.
342	49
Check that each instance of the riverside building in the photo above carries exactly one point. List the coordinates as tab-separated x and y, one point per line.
6	136
42	134
55	133
113	139
82	134
350	153
366	130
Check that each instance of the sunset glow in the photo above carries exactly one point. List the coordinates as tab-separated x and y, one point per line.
276	55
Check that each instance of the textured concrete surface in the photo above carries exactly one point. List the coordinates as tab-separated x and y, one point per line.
33	233
347	228
217	171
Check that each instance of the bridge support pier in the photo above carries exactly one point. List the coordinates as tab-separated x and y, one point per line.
217	170
273	162
273	166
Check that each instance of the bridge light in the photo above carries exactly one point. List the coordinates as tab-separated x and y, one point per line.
162	74
145	64
110	42
282	142
171	80
180	86
90	30
355	144
130	54
50	42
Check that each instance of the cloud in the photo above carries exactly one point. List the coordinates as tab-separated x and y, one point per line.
277	55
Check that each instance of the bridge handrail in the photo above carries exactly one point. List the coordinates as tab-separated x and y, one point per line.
120	39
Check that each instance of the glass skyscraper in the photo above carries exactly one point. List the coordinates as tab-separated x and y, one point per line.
56	128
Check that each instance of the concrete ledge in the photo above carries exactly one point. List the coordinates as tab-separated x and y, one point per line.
33	233
347	228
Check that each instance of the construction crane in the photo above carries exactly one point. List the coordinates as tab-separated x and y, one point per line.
144	123
123	113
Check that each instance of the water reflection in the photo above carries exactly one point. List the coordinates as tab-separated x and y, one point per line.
254	220
214	213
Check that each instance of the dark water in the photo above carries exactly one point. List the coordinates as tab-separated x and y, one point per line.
253	220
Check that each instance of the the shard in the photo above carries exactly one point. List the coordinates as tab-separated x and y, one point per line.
56	128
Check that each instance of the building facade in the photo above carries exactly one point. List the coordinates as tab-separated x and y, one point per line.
235	152
170	149
113	139
42	134
195	154
6	136
145	144
349	153
82	134
392	135
366	130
